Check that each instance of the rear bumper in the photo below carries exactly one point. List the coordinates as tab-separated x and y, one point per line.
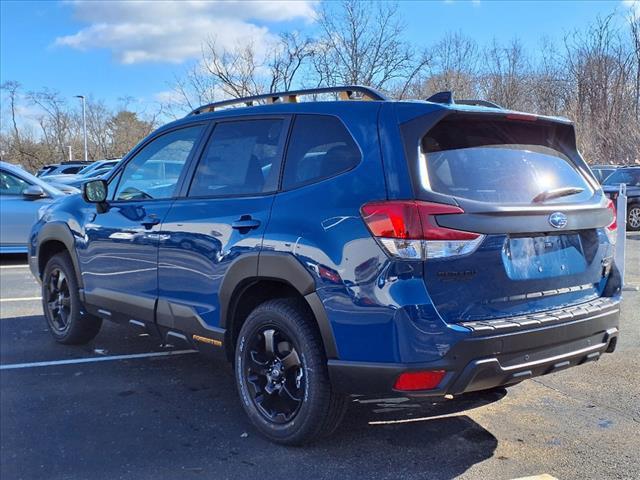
487	360
33	266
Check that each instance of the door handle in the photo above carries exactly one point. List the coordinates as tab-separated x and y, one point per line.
246	223
150	222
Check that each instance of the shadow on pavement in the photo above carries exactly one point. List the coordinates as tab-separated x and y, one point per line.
181	418
13	259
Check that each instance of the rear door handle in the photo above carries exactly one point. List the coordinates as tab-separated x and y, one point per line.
245	222
150	222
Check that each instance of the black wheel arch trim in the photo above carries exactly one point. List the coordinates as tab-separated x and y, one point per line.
280	266
60	232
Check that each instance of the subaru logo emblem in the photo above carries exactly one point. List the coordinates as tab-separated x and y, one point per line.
558	220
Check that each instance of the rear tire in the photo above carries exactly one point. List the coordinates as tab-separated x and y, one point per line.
633	217
282	376
62	306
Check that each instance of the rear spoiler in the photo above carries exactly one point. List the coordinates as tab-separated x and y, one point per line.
447	99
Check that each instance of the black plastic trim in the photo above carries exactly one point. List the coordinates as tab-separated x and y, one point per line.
284	266
326	332
281	266
241	269
183	318
58	231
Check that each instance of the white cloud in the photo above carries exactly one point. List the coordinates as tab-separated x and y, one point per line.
172	31
633	6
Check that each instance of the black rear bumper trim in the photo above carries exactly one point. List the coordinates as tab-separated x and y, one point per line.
480	363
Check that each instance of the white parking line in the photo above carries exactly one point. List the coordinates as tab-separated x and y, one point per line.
3	267
544	476
19	299
15	366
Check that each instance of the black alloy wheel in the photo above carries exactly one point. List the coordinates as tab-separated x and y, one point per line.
275	374
63	310
282	374
58	300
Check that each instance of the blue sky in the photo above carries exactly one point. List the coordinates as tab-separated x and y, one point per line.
110	50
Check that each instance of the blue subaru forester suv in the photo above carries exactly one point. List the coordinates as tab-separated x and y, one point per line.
346	245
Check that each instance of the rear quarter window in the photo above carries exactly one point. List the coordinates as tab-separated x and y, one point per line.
498	162
320	147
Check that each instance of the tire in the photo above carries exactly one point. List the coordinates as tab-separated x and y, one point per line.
61	304
633	217
297	405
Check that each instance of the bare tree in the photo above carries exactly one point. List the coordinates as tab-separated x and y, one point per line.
601	65
593	79
125	131
286	60
56	122
634	27
18	143
506	75
453	67
236	71
362	43
550	87
98	118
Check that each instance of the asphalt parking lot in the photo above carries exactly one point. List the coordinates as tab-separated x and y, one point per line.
88	412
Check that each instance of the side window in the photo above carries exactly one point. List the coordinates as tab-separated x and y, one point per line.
153	173
242	157
10	184
320	147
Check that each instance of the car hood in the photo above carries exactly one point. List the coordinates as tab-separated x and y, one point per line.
62	178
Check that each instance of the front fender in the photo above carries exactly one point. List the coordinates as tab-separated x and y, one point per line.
54	232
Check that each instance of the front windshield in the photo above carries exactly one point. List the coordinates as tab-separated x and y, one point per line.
88	169
95	172
630	177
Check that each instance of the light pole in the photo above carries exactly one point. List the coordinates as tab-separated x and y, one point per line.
70	153
84	126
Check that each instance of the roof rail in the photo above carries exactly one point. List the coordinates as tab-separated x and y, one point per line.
447	98
347	92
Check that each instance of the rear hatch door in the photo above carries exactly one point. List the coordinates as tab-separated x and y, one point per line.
542	219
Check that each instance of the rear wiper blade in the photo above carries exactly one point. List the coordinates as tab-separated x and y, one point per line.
556	193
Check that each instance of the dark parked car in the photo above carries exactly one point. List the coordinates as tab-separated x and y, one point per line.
631	177
601	172
417	249
62	168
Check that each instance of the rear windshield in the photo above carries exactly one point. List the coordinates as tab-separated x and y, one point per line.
631	177
499	162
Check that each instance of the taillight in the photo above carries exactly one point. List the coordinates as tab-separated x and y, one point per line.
407	229
612	228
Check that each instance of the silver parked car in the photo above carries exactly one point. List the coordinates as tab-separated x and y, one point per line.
95	170
21	196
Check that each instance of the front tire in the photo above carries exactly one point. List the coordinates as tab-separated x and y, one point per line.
633	217
282	377
61	304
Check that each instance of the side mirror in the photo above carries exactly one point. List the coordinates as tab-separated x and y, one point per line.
34	192
95	191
